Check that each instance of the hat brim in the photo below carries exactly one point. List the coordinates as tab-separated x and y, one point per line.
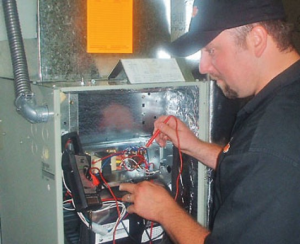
190	43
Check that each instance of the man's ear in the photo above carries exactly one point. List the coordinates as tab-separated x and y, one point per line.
258	38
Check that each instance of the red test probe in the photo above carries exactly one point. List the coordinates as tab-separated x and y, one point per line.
156	133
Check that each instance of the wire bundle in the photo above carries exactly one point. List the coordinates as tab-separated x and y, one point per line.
107	206
130	159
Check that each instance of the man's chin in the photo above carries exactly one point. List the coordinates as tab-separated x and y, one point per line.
229	93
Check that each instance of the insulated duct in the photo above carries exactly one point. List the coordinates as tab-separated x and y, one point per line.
25	98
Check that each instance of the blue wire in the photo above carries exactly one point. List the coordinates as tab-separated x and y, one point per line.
105	162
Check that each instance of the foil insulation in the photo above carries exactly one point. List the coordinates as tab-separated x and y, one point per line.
106	116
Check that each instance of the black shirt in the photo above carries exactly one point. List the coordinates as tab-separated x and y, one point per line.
257	184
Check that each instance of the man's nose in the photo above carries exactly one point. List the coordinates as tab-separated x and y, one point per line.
204	63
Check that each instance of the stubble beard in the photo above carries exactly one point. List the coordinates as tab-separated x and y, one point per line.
227	91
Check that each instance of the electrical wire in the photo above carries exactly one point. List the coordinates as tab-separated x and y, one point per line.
127	232
112	204
180	157
151	231
181	161
114	197
132	154
69	201
64	182
107	205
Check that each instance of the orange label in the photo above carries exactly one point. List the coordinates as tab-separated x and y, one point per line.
109	26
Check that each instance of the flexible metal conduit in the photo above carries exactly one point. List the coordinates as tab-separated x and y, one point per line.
25	98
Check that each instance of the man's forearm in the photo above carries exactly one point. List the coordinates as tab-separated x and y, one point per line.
181	227
205	152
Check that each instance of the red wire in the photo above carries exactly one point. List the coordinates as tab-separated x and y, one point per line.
114	197
151	230
110	199
141	157
157	132
179	150
181	162
127	169
180	157
108	156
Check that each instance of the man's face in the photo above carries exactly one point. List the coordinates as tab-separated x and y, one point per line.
231	66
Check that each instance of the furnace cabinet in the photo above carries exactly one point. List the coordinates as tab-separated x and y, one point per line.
106	117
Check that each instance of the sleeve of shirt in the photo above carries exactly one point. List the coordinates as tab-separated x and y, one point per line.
258	197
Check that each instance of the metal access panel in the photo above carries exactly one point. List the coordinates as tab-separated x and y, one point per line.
104	116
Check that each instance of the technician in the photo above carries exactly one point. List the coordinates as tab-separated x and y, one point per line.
246	48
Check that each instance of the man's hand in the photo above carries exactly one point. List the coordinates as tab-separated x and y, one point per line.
182	137
149	200
176	132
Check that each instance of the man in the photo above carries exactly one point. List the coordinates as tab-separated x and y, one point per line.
246	47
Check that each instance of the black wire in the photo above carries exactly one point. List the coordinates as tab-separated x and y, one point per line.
129	235
155	238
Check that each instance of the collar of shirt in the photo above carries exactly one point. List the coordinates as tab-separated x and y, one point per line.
285	78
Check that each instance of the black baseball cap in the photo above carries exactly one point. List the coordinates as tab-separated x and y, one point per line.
211	17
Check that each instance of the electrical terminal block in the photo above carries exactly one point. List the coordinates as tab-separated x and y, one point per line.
96	161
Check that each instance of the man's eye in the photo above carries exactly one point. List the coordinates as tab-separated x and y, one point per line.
211	51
